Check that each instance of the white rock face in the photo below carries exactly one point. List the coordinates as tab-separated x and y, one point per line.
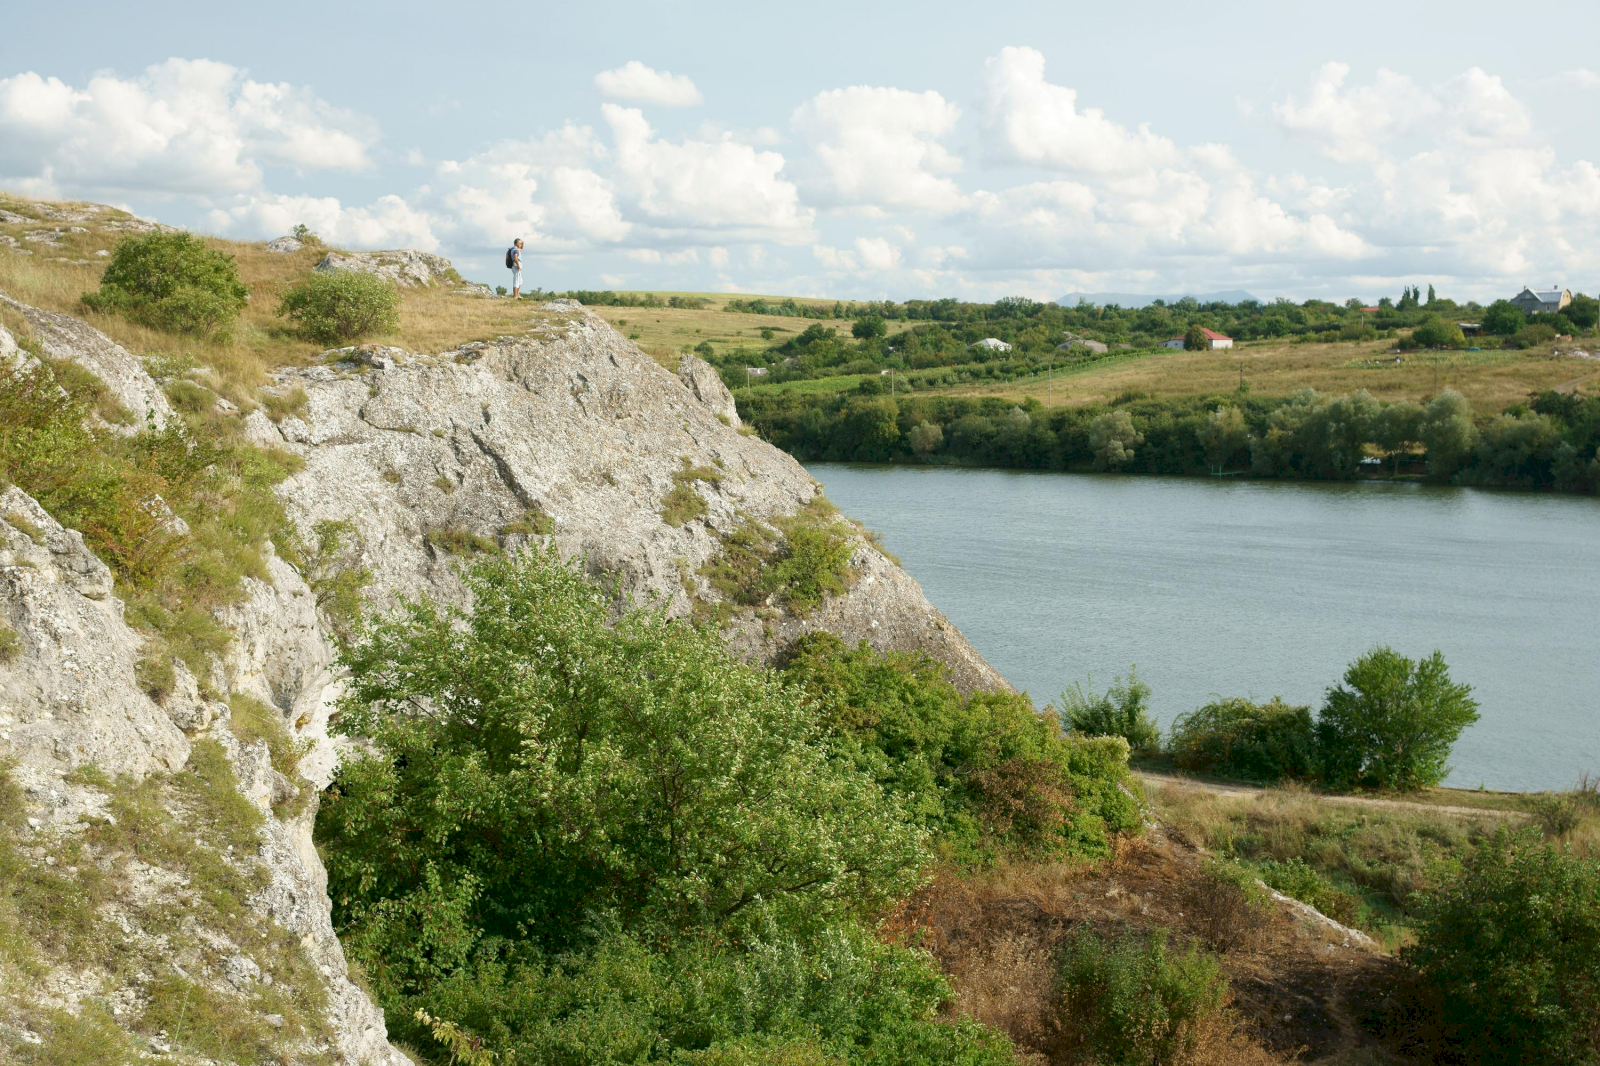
69	698
65	337
403	266
285	245
582	426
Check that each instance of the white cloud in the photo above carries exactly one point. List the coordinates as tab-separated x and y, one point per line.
637	82
881	147
1354	124
183	127
1582	78
877	254
1036	122
389	222
703	187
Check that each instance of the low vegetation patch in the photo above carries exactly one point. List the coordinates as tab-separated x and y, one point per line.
1235	737
794	561
331	564
683	503
1120	711
180	514
459	540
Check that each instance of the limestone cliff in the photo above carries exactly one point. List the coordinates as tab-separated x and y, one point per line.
157	818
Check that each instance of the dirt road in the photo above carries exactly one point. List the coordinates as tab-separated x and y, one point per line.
1250	792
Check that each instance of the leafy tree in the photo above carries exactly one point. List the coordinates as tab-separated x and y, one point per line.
1120	711
1503	318
1238	738
1223	435
535	768
925	438
1396	428
1195	339
1431	296
1584	311
340	306
1447	433
1113	439
869	328
1510	941
171	280
1437	333
1393	722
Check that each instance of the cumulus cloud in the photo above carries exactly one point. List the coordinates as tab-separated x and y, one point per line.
182	127
1582	78
389	222
1036	122
636	82
881	147
1353	124
720	186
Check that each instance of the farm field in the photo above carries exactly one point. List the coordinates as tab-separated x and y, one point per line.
1491	380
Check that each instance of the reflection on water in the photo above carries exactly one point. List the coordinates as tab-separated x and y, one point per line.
1265	588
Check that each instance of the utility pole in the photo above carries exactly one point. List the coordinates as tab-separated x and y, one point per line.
1241	377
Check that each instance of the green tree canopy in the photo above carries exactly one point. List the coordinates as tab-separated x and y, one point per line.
538	768
1393	722
1195	339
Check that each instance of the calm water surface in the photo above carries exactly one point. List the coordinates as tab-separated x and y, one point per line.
1265	588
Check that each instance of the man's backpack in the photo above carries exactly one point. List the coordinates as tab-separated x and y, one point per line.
511	258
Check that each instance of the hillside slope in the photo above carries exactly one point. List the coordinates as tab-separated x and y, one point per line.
159	889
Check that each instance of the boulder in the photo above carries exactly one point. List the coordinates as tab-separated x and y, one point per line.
404	267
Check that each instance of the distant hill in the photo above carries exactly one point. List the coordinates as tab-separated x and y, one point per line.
1133	299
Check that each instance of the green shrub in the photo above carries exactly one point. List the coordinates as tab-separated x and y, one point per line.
1510	941
10	643
1234	737
341	306
171	281
1132	1002
1393	722
984	772
1118	712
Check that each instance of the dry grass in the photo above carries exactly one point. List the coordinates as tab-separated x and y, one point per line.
1297	992
1491	380
431	320
666	331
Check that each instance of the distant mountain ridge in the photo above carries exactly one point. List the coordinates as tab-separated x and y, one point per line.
1133	299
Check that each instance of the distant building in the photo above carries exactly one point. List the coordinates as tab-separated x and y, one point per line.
1370	310
1217	340
1542	301
756	371
1083	342
993	344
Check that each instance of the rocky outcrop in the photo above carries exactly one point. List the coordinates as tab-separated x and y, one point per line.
71	702
567	431
575	424
285	245
403	266
64	337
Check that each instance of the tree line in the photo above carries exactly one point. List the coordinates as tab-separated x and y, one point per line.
1550	443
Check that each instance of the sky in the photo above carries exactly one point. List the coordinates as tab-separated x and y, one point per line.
850	150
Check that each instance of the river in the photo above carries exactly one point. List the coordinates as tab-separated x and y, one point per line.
1264	588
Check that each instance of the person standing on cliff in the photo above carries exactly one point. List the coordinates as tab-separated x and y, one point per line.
514	261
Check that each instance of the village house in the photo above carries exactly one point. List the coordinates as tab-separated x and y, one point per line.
1217	340
1097	347
1542	301
993	344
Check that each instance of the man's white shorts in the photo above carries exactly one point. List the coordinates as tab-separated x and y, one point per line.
516	280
